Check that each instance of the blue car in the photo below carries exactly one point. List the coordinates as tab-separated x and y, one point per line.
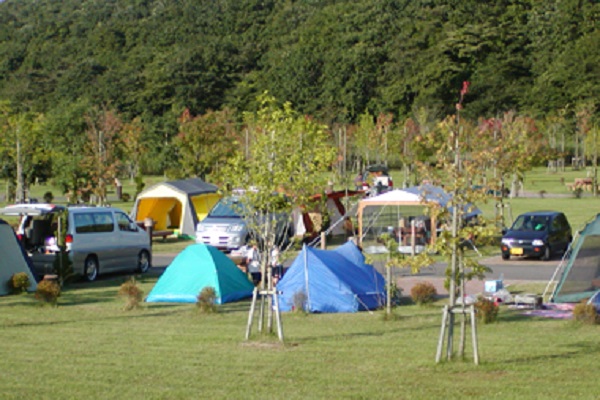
538	234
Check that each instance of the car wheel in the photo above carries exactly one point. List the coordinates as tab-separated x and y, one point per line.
91	268
505	256
143	264
547	254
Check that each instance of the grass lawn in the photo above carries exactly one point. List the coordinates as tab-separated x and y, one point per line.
88	347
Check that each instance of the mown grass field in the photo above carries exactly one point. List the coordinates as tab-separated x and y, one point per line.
89	347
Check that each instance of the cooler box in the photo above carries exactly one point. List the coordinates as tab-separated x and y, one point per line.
493	286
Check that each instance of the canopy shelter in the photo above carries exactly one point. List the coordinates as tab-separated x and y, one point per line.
403	212
176	206
13	259
579	272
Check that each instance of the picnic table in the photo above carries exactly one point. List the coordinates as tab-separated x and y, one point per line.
581	183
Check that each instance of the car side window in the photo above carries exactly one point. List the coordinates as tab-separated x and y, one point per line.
125	224
84	223
556	224
103	222
563	222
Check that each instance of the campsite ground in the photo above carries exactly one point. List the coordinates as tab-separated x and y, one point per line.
89	347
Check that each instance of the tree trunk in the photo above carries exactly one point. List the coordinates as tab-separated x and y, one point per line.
21	192
389	290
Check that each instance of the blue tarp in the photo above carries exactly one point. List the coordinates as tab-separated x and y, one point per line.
196	267
439	195
332	281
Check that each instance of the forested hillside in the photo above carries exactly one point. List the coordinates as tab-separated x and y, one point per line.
333	60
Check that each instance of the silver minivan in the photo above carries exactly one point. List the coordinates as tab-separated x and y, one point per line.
98	239
226	226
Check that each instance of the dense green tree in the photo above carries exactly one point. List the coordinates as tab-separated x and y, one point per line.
334	60
204	143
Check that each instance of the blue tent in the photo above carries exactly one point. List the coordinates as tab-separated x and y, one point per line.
196	267
331	282
350	251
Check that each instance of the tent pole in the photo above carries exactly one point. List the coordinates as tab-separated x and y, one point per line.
556	272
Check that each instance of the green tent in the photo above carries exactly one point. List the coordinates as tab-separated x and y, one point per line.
580	270
196	267
12	259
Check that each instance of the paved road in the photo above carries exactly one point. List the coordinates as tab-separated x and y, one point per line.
514	269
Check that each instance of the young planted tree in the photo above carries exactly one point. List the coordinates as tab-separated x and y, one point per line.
19	146
591	139
100	154
514	145
204	142
411	147
133	146
287	162
365	146
65	137
460	158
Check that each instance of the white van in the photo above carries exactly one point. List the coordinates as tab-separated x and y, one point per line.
98	240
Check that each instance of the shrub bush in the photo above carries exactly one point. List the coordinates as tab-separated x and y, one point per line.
48	292
19	282
299	302
125	197
487	310
586	313
207	300
48	197
132	294
423	293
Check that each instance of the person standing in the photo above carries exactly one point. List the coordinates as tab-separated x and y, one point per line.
253	263
276	265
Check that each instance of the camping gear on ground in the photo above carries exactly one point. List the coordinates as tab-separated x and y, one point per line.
12	259
175	206
331	281
196	267
578	273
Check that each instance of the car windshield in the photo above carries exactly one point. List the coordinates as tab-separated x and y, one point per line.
228	207
529	223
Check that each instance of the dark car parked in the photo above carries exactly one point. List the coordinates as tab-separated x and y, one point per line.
537	234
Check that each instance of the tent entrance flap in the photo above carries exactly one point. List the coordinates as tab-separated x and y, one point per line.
165	211
581	277
204	203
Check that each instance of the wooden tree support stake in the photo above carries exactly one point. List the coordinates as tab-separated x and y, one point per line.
268	299
448	330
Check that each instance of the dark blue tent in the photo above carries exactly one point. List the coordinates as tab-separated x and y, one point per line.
351	251
332	281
